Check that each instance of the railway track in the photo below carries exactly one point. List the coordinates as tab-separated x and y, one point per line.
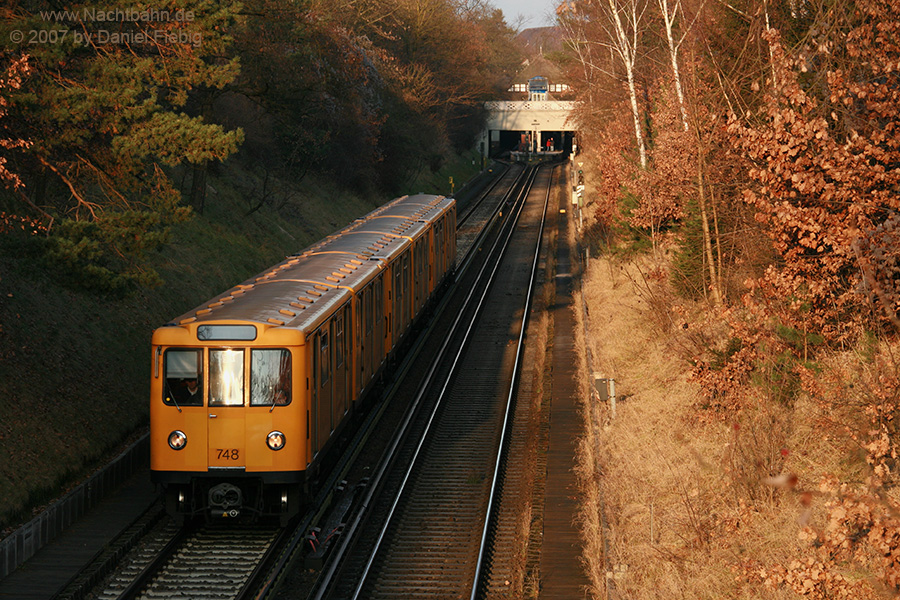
240	563
425	528
477	214
213	562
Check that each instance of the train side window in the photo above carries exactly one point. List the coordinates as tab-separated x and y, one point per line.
184	377
270	377
226	377
323	359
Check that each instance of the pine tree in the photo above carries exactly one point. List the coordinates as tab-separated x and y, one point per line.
108	107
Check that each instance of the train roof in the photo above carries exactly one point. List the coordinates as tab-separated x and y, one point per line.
393	226
332	270
304	289
415	207
295	304
363	242
437	210
421	207
299	292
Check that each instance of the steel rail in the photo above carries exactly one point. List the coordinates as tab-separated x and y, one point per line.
484	194
391	452
155	566
280	552
322	500
485	289
513	386
521	180
260	579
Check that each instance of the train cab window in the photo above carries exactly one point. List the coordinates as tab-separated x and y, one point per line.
270	377
226	377
184	378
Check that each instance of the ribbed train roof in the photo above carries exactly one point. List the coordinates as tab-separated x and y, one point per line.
303	289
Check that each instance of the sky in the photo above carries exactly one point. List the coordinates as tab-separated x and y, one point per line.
536	13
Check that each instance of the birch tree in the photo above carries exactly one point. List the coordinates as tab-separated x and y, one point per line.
625	18
669	17
615	27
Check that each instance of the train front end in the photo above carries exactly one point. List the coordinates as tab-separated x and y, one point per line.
228	419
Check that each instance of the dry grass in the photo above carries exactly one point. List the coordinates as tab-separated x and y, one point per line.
687	507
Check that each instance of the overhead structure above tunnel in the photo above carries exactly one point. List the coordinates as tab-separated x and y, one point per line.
533	125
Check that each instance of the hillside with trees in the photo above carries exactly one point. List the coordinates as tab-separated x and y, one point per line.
743	161
155	153
114	113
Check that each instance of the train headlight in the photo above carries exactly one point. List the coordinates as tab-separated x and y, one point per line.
177	440
275	440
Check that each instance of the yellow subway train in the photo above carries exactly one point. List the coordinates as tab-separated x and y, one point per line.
249	390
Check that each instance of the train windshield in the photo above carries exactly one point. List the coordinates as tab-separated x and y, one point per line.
226	377
184	377
270	377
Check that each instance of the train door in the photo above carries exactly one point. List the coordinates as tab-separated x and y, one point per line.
322	386
406	297
226	417
378	336
396	301
361	344
348	356
341	388
365	332
418	280
183	385
429	249
422	272
438	249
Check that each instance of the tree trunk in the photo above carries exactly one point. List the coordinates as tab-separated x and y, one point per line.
628	52
673	55
636	113
715	212
707	238
198	186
